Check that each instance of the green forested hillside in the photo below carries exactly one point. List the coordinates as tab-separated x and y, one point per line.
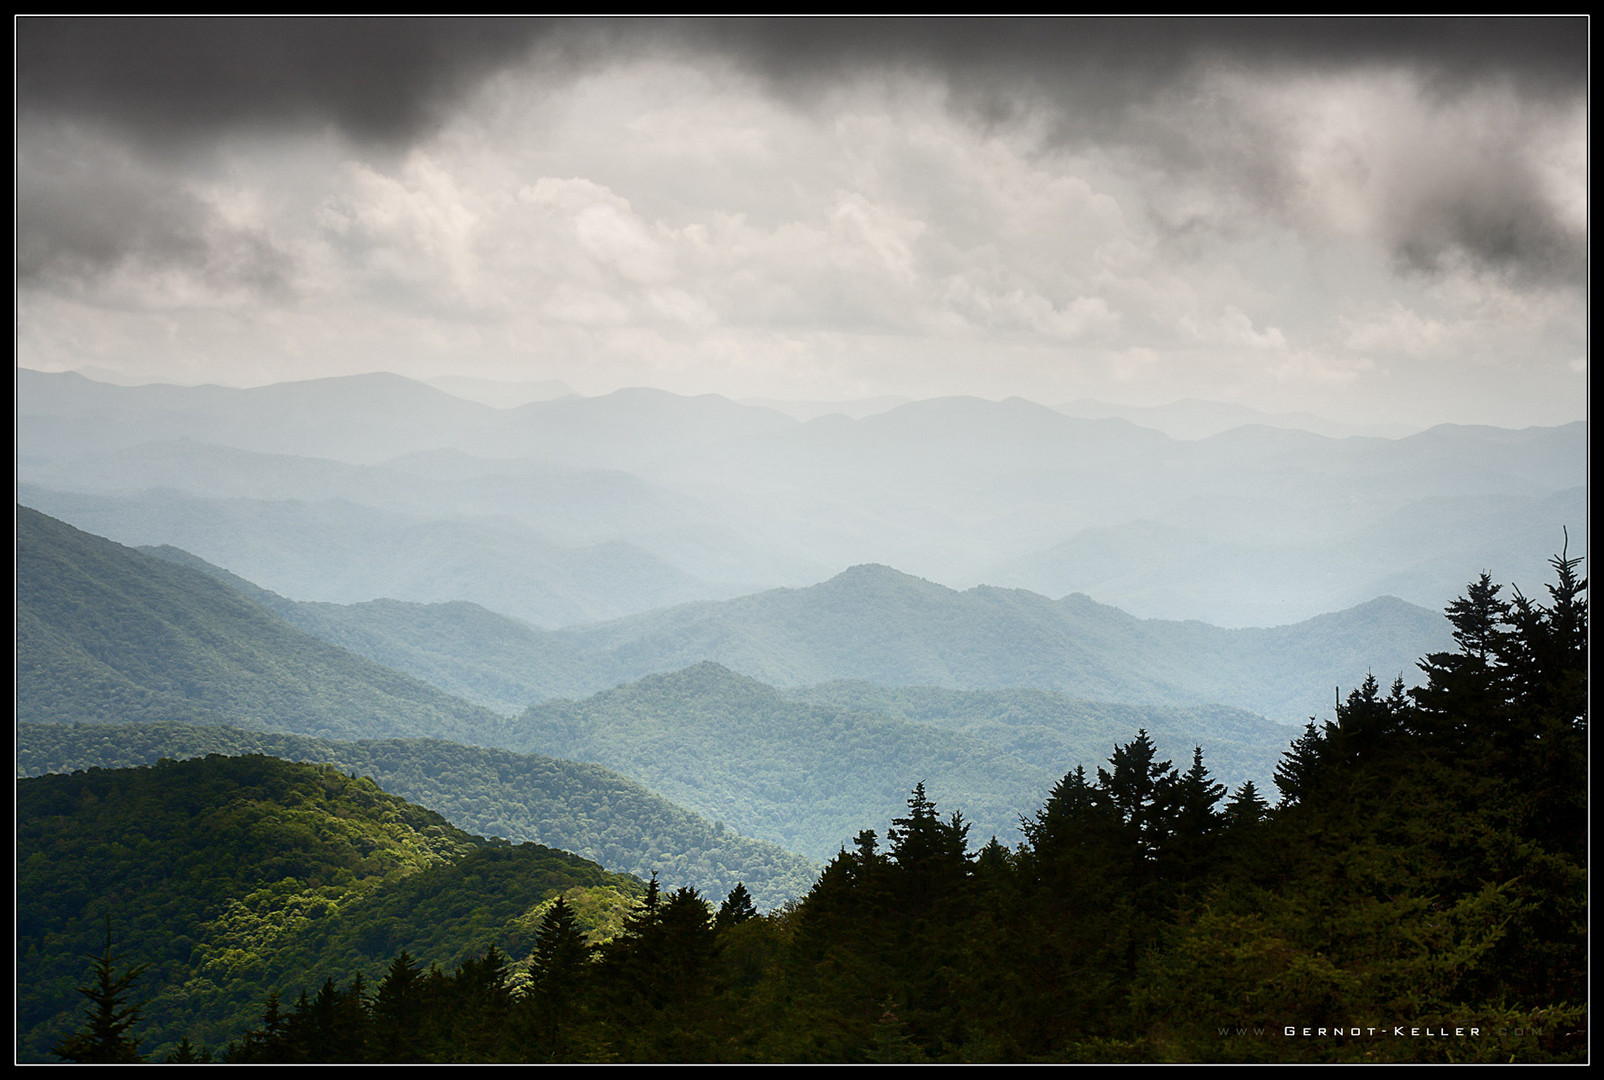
580	808
107	634
802	775
1054	730
461	648
234	876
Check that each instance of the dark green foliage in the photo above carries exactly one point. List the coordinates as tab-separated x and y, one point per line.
655	980
1427	862
231	876
1140	795
557	974
1246	808
186	1053
1197	826
736	908
1300	765
576	807
399	1011
107	1035
799	775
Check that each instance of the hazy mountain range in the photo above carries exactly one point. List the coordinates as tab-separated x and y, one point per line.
874	624
576	509
780	624
989	696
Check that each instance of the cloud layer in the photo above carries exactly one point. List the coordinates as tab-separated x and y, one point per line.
1386	221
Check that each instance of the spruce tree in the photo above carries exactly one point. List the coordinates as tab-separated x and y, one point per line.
107	1035
736	909
1191	848
1141	793
557	969
1247	807
1296	772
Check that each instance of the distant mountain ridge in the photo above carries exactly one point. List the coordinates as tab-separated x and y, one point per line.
1251	526
876	624
1190	418
799	774
879	625
801	768
110	635
344	552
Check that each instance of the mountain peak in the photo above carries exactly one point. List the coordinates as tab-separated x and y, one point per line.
879	573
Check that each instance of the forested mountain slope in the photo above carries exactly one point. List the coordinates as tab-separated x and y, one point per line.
875	624
586	809
342	551
107	634
235	876
1418	894
799	774
1420	884
462	648
1053	730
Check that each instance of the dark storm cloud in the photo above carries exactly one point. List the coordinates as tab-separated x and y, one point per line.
168	86
1498	220
81	214
388	78
1112	59
169	80
164	85
1136	82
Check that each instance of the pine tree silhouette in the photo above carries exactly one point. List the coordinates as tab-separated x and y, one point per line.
106	1037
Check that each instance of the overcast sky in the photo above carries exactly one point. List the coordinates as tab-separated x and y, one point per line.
1375	221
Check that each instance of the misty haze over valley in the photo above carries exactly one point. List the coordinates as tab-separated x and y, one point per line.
579	510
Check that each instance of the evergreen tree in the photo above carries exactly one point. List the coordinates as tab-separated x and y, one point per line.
472	1010
1247	807
1466	690
398	1010
107	1035
1295	773
933	852
1196	824
1141	793
1064	819
557	970
656	979
186	1053
1546	648
736	908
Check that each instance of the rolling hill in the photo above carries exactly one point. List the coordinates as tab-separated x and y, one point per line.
585	809
236	876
